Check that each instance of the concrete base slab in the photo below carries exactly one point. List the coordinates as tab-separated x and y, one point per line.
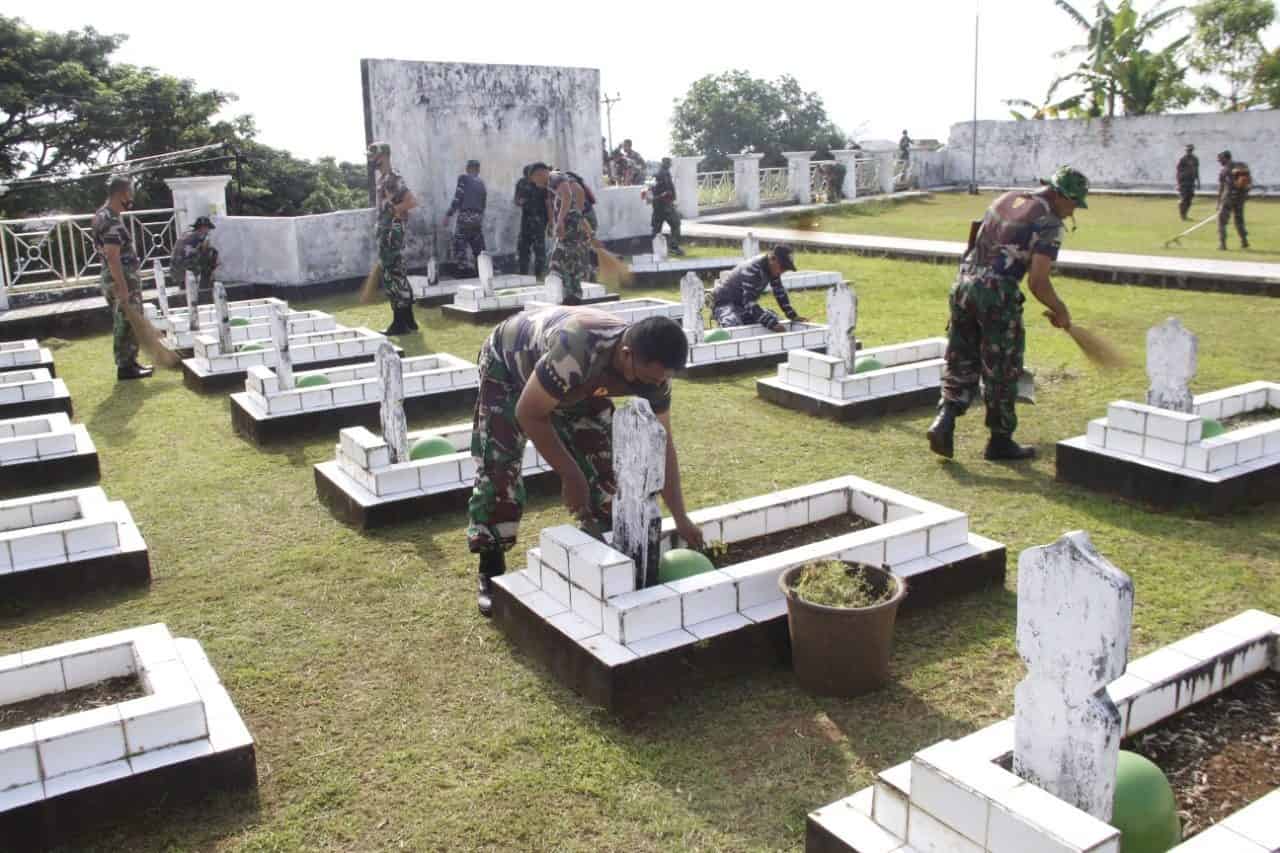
845	410
249	421
40	475
131	566
496	315
60	402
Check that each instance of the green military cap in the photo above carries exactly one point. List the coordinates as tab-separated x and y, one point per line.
1071	183
377	149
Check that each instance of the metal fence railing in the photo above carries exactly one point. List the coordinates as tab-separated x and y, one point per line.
775	185
57	252
716	190
867	176
821	177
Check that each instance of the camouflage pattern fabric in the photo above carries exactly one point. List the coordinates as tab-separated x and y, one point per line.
1231	201
468	234
664	207
728	314
1016	226
743	287
985	339
571	259
1188	174
532	240
498	446
390	190
109	229
194	253
395	274
1186	194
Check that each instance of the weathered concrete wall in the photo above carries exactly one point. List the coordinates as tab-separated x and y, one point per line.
437	115
1122	152
334	246
295	251
622	213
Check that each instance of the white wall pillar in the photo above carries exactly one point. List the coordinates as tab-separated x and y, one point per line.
194	197
798	175
684	171
888	162
746	179
846	158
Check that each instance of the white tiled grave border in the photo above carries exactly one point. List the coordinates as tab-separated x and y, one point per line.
28	386
258	330
630	310
362	465
645	264
179	319
953	796
187	714
341	342
55	529
422	288
18	354
1170	441
749	342
471	297
586	589
907	367
40	438
353	385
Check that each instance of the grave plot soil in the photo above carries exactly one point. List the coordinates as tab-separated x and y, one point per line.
1219	755
1250	418
96	695
762	546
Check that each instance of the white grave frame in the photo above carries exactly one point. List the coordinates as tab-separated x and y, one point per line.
25	355
32	391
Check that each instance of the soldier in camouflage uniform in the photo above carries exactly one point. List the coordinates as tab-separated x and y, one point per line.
469	201
1021	231
1233	192
532	201
393	201
549	376
119	277
193	253
1188	177
735	301
663	195
571	258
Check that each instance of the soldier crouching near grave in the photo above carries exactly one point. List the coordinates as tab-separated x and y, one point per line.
393	201
532	201
549	376
119	277
736	299
469	200
985	337
571	258
193	253
1234	183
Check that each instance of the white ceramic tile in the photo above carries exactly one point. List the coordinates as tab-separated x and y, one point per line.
556	586
586	606
642	614
78	741
947	535
1027	819
99	774
98	665
926	834
573	626
159	721
1097	432
906	547
855	830
706	596
601	570
13	798
27	682
1168	452
19	765
889	808
543	604
168	755
1219	839
1259	821
608	651
716	627
662	643
1251	624
1122	441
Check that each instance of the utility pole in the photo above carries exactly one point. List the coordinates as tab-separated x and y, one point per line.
608	113
973	163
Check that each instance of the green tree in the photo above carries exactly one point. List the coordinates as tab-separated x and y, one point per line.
1228	43
1266	80
732	112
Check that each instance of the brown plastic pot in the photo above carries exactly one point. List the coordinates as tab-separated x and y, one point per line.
842	651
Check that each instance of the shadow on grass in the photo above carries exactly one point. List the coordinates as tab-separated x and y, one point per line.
218	816
18	614
113	415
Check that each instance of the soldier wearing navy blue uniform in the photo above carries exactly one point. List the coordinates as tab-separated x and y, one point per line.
736	299
469	200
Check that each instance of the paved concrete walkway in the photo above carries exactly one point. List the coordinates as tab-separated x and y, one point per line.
1191	273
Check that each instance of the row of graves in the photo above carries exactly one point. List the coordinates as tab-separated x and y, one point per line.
161	728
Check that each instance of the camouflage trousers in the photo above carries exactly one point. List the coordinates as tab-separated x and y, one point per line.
1232	207
728	314
985	340
665	212
571	259
469	234
203	265
124	343
498	448
533	240
395	275
1186	192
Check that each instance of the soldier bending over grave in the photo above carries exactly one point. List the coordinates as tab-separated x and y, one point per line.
193	253
549	376
736	299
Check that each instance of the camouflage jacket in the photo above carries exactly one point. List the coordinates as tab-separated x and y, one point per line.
1227	191
391	190
109	229
568	348
664	188
746	283
187	249
1188	170
532	200
1016	226
470	195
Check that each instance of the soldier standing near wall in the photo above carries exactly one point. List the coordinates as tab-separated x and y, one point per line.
549	376
119	276
736	299
193	253
663	195
986	340
532	201
571	258
630	165
1234	182
393	201
469	200
1188	177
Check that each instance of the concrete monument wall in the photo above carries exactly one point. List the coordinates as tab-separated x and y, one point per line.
296	250
1138	151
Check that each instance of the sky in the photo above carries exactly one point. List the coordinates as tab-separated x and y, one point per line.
879	67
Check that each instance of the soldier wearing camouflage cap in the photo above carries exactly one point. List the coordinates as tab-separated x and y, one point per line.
1021	232
194	253
118	280
393	200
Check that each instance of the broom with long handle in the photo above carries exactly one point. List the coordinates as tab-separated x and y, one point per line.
613	270
1095	348
372	282
148	338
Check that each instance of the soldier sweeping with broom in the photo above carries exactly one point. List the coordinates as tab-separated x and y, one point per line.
393	201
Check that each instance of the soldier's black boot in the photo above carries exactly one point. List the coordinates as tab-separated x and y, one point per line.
398	325
492	564
133	370
943	430
1244	242
1002	448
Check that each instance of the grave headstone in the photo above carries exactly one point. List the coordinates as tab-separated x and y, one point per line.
162	292
280	339
223	316
395	426
693	300
1171	365
750	246
484	269
1075	611
193	302
842	319
554	287
639	467
659	248
433	270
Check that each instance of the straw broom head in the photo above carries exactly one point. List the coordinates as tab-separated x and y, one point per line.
1095	348
149	338
613	270
371	283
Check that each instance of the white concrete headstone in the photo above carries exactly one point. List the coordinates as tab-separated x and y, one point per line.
639	465
1075	612
280	340
693	299
750	246
193	302
484	269
223	317
162	292
1172	355
433	271
555	288
395	426
659	248
842	319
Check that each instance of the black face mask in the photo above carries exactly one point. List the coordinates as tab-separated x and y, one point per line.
128	205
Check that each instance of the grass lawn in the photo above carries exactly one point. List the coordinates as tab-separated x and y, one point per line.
1111	224
389	716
